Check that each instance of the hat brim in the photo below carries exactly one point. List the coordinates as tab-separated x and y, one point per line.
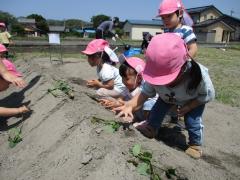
170	11
159	80
86	52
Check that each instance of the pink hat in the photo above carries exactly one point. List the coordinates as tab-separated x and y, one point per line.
2	24
165	56
169	6
2	48
96	45
11	67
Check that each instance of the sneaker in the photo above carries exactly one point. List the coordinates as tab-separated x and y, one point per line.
146	129
194	151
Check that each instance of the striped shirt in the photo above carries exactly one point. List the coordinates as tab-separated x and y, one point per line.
185	32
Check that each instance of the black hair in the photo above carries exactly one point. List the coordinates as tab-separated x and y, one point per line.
178	14
124	68
195	75
105	58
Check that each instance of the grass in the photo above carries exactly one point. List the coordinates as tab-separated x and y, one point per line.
223	67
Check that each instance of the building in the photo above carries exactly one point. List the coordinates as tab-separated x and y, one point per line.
210	25
29	26
57	29
134	29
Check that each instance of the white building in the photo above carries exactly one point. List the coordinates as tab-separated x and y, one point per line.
134	29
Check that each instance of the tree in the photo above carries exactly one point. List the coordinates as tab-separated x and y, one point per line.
7	18
41	22
98	19
12	22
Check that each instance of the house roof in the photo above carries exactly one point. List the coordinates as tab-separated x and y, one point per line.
26	20
154	22
56	28
202	8
213	21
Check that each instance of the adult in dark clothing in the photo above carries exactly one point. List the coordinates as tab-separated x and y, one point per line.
146	40
106	28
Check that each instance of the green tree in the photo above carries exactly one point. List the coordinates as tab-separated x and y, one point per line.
41	22
98	19
7	18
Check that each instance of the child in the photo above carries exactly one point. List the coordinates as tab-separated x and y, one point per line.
131	73
176	19
106	27
9	74
110	82
179	82
5	37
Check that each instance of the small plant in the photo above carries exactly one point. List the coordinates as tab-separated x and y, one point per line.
110	126
14	137
63	86
143	162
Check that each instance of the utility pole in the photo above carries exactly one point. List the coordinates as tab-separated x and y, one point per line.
232	12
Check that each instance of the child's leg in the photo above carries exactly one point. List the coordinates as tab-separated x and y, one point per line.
158	113
108	93
193	123
3	84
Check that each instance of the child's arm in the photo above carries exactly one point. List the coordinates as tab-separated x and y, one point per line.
188	107
96	83
131	106
192	49
5	112
10	77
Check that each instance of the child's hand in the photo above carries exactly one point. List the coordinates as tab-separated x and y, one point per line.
93	83
17	81
183	110
110	104
23	109
125	112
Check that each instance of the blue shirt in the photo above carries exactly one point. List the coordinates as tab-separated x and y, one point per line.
185	32
203	93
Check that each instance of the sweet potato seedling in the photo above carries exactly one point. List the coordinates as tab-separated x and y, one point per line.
143	161
110	126
62	86
14	137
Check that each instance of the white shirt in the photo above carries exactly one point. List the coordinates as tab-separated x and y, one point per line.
109	72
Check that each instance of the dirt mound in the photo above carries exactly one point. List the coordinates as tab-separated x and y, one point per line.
60	142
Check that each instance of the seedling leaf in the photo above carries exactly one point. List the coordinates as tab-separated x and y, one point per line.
136	149
143	169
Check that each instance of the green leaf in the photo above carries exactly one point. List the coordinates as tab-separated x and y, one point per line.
170	172
14	137
109	129
155	177
136	149
145	156
143	169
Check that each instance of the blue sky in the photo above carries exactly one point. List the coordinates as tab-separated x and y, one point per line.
125	9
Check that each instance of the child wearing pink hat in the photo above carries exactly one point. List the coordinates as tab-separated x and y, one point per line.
5	37
110	82
131	71
177	20
180	82
8	75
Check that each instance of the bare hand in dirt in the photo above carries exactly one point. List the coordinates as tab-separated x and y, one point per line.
23	109
183	110
93	83
109	104
125	112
